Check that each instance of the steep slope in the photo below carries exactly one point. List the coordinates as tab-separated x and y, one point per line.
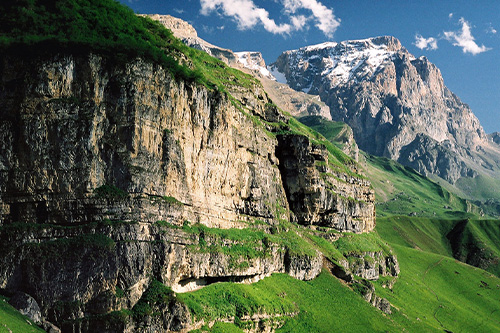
13	321
122	163
287	99
396	104
338	133
416	212
399	190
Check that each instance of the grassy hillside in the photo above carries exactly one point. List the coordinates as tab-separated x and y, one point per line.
335	132
400	190
13	321
424	223
321	305
438	293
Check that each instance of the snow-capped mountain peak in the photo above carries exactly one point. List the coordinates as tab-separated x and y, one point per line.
340	62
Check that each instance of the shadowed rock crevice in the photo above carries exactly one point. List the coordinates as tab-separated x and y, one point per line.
315	195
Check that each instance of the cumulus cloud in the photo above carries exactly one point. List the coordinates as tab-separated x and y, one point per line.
464	39
325	19
245	13
425	43
450	16
248	15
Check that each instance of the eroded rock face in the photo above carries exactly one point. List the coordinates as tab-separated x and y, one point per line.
371	265
27	306
294	102
95	153
79	123
318	195
189	36
107	267
391	100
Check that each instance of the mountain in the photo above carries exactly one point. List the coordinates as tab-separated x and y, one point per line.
146	186
135	169
289	100
397	105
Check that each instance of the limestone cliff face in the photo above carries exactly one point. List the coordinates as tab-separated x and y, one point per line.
396	104
297	103
189	36
318	195
80	123
102	164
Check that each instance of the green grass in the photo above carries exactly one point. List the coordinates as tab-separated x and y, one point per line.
401	190
249	243
477	243
110	192
152	301
333	131
481	187
359	243
324	304
339	160
46	27
326	247
419	233
13	320
436	293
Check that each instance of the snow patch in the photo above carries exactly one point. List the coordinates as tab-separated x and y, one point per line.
279	77
254	61
343	61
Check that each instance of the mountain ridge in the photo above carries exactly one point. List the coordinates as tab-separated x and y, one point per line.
397	105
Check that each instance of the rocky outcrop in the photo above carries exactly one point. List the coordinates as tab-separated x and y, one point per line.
99	269
317	193
27	306
80	123
495	137
297	103
338	133
396	104
189	36
294	102
425	153
359	269
381	303
105	163
371	265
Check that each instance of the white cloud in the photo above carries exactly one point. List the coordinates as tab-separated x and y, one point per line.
325	19
248	15
450	16
464	39
179	11
298	21
425	43
245	13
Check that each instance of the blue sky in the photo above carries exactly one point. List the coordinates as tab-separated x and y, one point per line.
460	37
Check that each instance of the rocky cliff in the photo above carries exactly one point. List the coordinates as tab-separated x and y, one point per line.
294	102
113	175
396	104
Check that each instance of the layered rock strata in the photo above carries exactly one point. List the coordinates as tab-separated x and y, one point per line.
294	102
97	155
320	195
